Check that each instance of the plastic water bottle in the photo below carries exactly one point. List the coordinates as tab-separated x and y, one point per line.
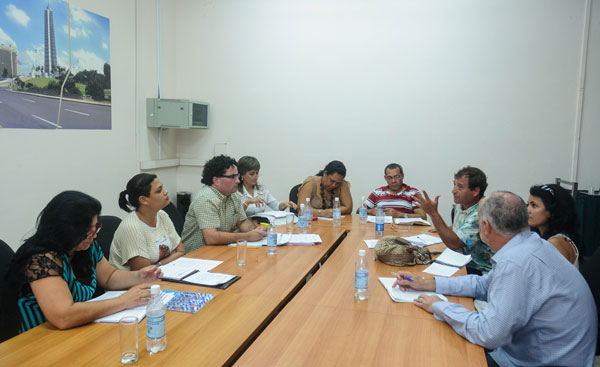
302	219
337	213
308	213
379	220
362	211
271	241
361	277
156	338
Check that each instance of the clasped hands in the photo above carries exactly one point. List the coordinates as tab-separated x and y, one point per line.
406	280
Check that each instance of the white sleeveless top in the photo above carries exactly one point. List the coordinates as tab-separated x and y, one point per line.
566	238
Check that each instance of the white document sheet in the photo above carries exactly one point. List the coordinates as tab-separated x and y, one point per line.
453	258
388	219
415	221
371	243
441	270
308	239
183	266
298	239
399	295
138	311
330	219
423	240
275	213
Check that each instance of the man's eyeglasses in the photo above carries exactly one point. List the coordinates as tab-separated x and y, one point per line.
233	177
94	231
547	188
397	177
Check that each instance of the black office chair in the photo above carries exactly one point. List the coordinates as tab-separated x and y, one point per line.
571	186
9	316
591	272
175	216
294	196
110	224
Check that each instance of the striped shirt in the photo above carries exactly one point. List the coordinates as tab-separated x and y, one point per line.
404	201
136	238
211	209
52	264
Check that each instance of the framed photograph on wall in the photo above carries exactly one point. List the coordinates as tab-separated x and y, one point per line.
54	66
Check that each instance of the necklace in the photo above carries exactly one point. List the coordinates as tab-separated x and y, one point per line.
326	204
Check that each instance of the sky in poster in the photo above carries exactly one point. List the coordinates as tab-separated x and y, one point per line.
22	26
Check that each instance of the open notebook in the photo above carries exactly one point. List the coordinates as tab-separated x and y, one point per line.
197	272
399	295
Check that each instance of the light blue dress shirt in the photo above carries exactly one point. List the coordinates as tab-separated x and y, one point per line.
540	309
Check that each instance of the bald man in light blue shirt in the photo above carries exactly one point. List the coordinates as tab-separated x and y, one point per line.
540	310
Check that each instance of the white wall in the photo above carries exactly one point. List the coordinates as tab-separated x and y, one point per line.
38	164
431	85
589	152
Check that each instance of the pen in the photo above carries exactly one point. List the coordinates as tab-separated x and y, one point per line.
407	278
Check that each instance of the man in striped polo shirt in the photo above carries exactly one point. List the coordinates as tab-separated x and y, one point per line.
398	198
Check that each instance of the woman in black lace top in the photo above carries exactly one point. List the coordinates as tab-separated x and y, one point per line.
58	268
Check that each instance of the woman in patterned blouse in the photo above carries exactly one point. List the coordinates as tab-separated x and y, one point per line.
58	268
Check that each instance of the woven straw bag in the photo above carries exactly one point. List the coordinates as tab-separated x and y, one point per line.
397	251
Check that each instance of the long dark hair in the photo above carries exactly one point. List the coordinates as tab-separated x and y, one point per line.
334	167
139	185
561	206
61	226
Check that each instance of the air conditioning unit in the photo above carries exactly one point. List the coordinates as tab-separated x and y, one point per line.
176	113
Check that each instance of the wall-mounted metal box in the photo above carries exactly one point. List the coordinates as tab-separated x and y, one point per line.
176	113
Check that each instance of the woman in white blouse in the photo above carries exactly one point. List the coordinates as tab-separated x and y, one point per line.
146	236
255	197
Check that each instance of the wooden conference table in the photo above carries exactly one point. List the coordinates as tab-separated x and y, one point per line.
273	315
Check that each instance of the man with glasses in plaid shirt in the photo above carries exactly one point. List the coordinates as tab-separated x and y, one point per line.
216	212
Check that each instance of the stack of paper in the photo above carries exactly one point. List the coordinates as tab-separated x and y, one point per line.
448	263
195	271
411	221
326	218
307	239
399	295
423	240
298	239
138	311
184	266
276	217
388	219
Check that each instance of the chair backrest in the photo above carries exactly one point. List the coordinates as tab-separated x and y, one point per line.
9	317
571	186
175	216
294	196
110	223
591	272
